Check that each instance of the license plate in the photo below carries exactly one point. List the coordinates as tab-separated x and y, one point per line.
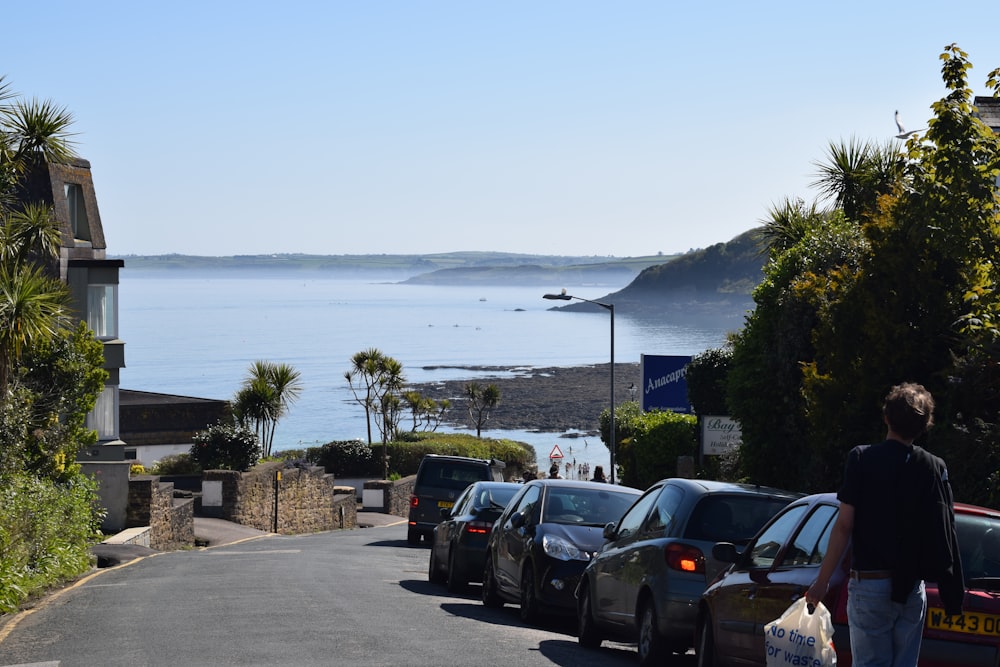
445	503
970	623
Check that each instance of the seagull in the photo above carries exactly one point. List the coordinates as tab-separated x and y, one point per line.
903	134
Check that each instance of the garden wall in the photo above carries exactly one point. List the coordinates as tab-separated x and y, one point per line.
151	503
307	500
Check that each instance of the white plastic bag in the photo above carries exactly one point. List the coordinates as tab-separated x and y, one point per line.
800	639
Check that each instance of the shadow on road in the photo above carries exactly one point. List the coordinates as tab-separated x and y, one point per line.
389	543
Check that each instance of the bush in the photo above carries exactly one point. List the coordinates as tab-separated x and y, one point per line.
656	440
226	447
346	458
46	529
175	464
354	458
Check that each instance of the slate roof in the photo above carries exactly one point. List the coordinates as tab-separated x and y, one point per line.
989	111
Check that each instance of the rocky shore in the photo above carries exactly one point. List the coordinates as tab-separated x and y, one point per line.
545	400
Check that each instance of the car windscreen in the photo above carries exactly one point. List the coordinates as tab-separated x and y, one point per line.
979	544
731	518
594	507
450	475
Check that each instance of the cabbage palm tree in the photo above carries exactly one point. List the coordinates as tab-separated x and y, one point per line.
265	397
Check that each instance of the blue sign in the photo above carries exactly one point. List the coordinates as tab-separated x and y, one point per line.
664	383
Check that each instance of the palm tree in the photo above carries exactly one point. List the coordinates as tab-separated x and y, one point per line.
481	401
265	397
855	174
33	308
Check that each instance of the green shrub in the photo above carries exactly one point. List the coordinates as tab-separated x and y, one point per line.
346	458
226	447
354	458
656	440
46	529
175	464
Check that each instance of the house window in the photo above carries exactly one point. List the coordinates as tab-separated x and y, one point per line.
102	310
104	417
77	212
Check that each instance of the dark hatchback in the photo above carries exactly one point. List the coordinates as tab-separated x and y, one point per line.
783	560
458	547
647	579
439	482
544	539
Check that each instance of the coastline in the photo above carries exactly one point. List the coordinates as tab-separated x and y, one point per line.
544	400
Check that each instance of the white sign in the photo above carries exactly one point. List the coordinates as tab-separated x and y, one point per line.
719	434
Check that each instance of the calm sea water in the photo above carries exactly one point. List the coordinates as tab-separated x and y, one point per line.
197	334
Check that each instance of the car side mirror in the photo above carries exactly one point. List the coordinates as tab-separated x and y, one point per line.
518	519
445	512
610	531
725	552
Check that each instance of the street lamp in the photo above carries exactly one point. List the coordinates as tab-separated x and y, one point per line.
610	307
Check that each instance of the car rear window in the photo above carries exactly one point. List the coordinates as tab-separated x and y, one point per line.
451	474
734	518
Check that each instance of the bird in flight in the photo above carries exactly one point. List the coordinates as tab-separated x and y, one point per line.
903	134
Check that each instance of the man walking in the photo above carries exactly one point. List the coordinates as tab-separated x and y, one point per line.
896	512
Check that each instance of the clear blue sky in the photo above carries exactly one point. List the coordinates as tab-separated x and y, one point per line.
556	127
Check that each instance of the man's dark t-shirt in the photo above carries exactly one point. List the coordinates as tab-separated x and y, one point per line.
904	518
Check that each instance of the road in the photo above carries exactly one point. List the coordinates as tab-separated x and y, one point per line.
358	597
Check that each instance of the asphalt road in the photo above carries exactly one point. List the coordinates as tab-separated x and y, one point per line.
358	597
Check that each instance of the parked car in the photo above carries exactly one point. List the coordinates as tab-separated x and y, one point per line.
647	578
780	564
439	481
458	547
544	539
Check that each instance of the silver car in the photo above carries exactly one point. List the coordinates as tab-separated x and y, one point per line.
646	581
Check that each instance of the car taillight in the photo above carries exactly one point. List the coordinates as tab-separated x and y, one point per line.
414	501
478	527
685	558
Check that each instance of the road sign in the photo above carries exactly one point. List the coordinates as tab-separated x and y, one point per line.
556	453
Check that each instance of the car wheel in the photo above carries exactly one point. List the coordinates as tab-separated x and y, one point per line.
652	649
433	569
456	582
490	596
587	631
529	601
412	536
706	644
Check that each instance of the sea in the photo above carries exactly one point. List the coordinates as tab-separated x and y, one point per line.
196	333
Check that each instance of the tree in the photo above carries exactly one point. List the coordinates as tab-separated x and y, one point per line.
897	283
265	397
376	380
482	400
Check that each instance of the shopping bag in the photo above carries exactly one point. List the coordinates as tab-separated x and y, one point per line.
800	639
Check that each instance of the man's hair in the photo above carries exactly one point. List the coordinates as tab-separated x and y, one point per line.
909	409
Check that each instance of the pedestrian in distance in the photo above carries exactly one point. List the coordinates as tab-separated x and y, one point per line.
897	514
554	471
599	475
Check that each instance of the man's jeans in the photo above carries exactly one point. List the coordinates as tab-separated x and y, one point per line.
884	633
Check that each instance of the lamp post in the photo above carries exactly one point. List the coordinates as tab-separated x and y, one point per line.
610	307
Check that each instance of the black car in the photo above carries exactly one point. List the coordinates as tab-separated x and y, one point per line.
440	480
544	539
458	548
647	579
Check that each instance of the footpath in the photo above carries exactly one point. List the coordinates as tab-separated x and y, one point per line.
211	532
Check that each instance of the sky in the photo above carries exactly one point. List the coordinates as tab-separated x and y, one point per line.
557	127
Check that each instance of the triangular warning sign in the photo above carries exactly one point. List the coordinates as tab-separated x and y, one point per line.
556	453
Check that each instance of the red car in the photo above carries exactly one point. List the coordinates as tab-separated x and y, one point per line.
780	563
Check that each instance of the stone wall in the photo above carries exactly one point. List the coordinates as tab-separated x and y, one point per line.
307	499
151	503
395	494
